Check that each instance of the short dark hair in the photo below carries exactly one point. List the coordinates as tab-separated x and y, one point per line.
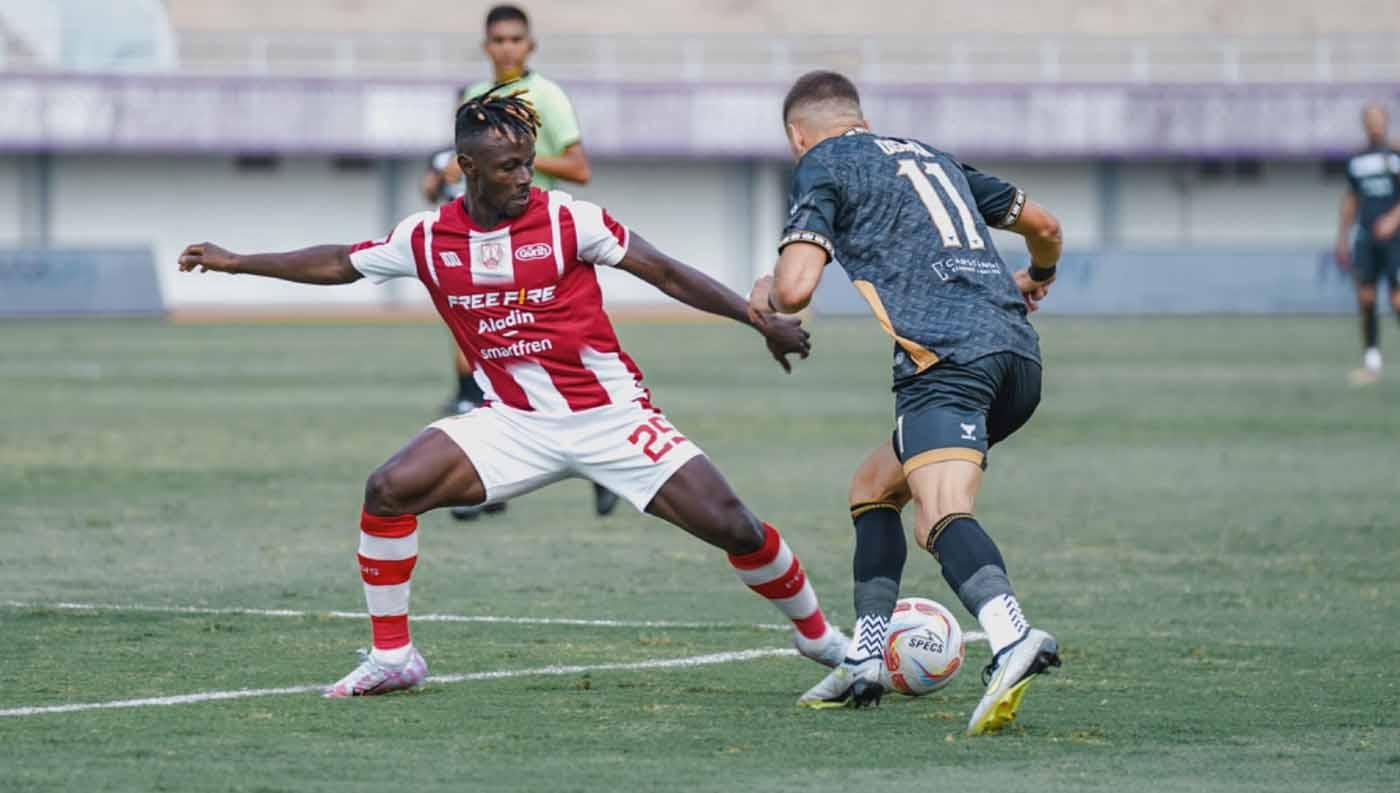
510	114
820	86
506	13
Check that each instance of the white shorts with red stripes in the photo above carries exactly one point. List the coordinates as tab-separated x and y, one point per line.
630	449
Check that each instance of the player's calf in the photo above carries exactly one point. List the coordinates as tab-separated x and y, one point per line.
878	494
699	500
387	555
732	527
773	572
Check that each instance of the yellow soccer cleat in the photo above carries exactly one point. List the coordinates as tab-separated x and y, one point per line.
1007	678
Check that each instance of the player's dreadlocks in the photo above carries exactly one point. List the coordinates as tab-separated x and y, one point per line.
510	114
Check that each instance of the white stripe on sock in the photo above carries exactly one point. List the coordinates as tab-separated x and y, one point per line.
389	549
799	606
769	572
387	601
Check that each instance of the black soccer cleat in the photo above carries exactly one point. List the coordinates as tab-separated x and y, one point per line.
604	500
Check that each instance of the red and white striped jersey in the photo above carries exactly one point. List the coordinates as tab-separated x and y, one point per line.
522	299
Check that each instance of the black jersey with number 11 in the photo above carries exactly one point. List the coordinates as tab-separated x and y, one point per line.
910	226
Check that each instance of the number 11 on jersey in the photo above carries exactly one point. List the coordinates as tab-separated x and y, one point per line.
937	212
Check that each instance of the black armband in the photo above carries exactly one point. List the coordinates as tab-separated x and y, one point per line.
1041	274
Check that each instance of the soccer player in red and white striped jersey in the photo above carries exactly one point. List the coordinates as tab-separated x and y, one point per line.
511	270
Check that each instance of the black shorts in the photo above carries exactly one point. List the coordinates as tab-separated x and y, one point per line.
1373	261
959	411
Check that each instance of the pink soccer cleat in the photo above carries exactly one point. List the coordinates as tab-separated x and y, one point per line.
371	677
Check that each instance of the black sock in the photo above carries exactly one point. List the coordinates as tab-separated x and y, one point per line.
1370	328
972	565
877	567
468	390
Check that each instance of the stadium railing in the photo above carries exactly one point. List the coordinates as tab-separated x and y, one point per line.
713	57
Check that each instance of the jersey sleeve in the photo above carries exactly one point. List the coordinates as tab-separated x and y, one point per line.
558	122
473	91
1000	202
389	258
601	239
816	200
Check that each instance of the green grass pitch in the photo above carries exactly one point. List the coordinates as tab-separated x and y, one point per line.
1202	511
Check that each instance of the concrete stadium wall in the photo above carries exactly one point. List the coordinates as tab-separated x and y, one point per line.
1051	17
167	203
11	201
700	213
721	216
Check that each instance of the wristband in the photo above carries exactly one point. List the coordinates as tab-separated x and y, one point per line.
1041	274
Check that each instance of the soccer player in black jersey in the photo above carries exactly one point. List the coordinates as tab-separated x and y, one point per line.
1371	206
910	225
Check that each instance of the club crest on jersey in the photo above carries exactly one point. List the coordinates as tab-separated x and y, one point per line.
539	250
491	255
492	263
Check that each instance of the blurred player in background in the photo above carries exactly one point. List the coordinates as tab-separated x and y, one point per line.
1371	210
558	155
511	269
910	225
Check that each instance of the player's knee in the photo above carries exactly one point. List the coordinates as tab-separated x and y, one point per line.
1366	297
384	492
1395	300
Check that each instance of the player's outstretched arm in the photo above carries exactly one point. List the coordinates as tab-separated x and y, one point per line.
323	264
785	336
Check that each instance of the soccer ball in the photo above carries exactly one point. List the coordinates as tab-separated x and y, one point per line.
924	648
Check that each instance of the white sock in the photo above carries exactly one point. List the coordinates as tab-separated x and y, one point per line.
1372	359
395	657
1001	618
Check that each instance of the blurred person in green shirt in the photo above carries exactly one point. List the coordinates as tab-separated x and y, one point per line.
558	155
559	149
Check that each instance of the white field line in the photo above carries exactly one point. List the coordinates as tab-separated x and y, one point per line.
360	615
243	693
971	636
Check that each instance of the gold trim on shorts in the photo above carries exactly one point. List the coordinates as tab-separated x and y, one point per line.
942	456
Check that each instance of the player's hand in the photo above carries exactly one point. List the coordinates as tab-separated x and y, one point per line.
1343	255
1032	291
1385	226
785	336
207	256
760	303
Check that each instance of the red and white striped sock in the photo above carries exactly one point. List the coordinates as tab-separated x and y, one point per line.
775	573
388	551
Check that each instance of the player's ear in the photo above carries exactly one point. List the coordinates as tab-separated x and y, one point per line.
468	167
795	139
531	44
